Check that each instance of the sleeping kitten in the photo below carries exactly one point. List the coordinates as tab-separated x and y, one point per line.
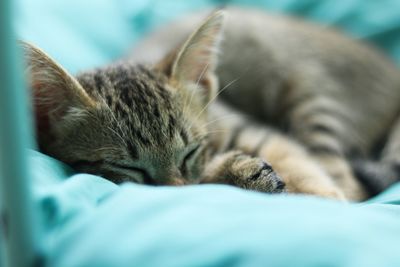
337	97
143	124
162	125
155	125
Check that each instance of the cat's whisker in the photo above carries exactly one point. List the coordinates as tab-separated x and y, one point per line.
104	148
165	134
197	82
230	116
117	134
202	74
213	99
117	122
192	93
202	135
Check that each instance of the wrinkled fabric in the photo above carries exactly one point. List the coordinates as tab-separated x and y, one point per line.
90	221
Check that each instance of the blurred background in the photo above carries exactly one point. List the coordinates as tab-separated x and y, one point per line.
83	34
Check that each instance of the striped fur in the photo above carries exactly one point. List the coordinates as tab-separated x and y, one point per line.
302	101
143	124
337	97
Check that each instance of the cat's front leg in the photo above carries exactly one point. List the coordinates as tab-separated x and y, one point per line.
342	173
241	170
301	173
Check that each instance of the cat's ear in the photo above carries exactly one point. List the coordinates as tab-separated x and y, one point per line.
55	92
195	61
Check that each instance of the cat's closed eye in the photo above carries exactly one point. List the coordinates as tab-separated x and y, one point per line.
188	157
142	172
139	173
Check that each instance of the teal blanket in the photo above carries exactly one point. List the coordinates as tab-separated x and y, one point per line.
92	222
89	221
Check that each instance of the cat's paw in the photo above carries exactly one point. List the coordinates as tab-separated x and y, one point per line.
255	174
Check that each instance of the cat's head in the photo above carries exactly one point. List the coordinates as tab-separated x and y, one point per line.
126	122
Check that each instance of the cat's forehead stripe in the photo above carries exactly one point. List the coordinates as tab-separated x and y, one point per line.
139	99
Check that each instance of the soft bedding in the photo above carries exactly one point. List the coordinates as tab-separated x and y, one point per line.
92	222
89	221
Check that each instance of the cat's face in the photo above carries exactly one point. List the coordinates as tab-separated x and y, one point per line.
130	123
141	128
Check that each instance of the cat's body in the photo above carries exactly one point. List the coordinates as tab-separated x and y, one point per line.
142	124
277	62
161	125
338	97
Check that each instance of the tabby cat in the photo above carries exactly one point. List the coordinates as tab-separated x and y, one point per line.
337	97
308	98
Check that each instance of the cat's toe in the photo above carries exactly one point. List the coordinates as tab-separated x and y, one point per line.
266	180
246	172
264	169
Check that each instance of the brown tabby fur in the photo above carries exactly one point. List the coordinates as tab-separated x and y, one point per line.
162	125
337	97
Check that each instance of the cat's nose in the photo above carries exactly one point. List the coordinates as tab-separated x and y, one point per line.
173	176
176	182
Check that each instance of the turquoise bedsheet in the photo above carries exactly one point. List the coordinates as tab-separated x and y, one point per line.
90	221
